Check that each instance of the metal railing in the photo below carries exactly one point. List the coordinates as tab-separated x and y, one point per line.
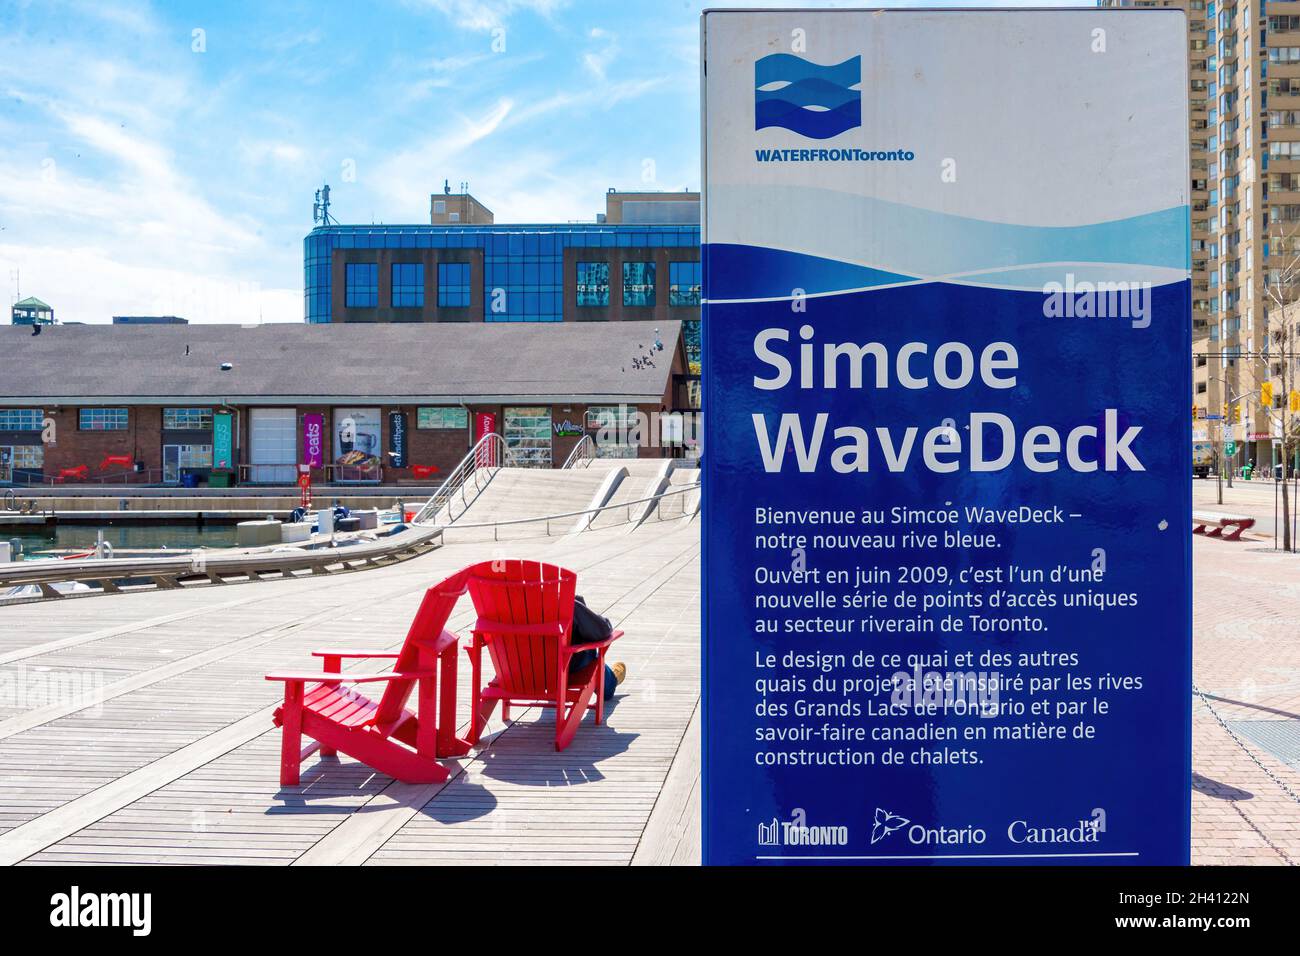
371	474
475	470
145	476
285	473
199	566
583	454
562	516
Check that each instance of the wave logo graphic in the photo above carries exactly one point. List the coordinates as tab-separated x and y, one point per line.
807	98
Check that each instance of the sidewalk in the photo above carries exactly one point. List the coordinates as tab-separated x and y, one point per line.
1246	660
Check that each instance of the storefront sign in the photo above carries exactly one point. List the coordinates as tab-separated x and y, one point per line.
485	423
947	556
441	416
397	439
223	431
313	439
566	429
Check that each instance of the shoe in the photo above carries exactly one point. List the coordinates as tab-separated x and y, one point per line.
620	671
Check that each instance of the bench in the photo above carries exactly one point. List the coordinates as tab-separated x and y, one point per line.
1212	524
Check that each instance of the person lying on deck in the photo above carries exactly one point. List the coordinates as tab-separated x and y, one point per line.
592	628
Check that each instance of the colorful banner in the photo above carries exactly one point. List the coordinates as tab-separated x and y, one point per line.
485	423
223	440
357	438
397	439
313	439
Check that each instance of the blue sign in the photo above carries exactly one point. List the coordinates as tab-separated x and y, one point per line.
397	439
946	492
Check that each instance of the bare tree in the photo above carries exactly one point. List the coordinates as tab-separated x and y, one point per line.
1274	369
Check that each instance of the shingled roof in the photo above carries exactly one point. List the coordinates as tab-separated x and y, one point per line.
397	363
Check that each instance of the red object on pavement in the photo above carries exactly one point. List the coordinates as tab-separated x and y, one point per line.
304	482
79	472
424	471
525	619
384	734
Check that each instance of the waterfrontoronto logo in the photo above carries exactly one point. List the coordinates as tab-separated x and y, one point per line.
76	908
807	98
797	832
1098	300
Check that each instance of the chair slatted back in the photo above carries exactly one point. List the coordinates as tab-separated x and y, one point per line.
417	650
526	593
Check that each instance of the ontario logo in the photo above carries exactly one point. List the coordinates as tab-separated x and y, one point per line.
807	98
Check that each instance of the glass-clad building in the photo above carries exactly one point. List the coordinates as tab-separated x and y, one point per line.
505	273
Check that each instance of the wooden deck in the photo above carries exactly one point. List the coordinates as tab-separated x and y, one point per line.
136	728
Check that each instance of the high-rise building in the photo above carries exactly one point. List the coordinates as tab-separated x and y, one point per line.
1244	100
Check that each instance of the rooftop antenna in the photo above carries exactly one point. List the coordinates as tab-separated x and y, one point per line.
320	210
446	187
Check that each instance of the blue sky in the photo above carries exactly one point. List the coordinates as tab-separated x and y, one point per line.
146	168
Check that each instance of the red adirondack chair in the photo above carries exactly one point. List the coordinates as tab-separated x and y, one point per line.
383	734
525	616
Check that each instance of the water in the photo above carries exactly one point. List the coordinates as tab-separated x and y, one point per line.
81	537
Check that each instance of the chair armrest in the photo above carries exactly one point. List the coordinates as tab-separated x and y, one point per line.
355	653
321	678
550	629
595	645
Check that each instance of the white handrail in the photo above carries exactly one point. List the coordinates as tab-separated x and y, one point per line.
583	453
488	455
667	493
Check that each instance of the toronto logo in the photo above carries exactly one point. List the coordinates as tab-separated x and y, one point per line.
807	98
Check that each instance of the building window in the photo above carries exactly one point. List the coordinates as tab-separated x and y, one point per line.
194	456
442	417
527	433
21	419
683	283
639	283
440	206
408	285
453	285
20	458
187	419
362	285
593	284
102	419
612	427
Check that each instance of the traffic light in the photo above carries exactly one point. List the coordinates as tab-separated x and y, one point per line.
1266	395
1195	416
1236	412
1295	401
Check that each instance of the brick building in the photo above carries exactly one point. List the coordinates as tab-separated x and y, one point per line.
376	403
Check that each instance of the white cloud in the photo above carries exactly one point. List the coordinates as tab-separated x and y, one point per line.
406	179
93	284
597	62
491	14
